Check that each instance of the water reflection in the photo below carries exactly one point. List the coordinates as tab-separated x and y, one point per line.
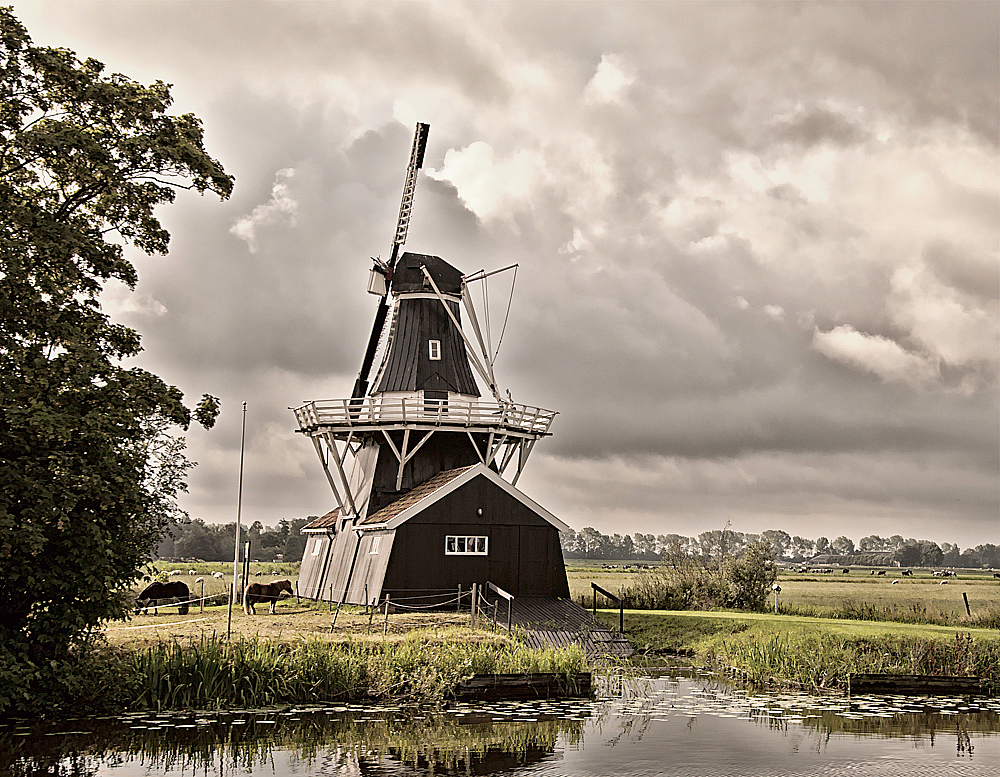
662	725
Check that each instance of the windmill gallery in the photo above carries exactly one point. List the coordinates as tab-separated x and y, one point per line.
423	467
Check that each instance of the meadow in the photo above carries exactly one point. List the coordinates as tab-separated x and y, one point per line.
920	598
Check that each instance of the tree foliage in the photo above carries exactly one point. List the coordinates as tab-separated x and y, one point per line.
87	475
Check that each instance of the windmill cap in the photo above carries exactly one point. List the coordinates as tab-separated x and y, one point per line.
408	276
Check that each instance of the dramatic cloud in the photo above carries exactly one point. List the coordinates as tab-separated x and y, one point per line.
758	243
279	209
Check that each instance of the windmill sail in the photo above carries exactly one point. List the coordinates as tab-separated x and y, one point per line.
386	270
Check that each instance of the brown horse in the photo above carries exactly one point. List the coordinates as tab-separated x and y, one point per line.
157	591
265	592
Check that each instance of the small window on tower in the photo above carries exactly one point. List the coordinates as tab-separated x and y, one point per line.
434	346
373	550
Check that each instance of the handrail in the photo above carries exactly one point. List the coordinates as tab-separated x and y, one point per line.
510	603
410	410
621	606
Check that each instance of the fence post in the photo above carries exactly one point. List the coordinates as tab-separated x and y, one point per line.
458	602
385	623
965	598
202	597
297	599
510	603
331	597
475	591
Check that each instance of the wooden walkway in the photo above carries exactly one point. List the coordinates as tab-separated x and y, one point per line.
545	622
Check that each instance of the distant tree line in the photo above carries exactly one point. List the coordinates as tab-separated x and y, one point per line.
720	543
192	538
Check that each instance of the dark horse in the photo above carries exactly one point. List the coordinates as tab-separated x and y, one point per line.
154	592
265	592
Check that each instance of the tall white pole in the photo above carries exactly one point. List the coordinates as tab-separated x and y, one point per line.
239	511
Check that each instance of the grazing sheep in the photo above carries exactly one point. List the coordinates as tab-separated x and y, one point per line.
174	572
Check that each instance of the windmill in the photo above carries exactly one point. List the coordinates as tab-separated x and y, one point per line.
417	439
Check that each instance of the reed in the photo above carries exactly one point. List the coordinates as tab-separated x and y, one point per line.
212	672
818	660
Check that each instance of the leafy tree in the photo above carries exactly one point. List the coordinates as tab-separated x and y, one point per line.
87	477
295	545
780	541
843	545
822	545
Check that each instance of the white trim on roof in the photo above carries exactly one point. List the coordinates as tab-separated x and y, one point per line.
456	483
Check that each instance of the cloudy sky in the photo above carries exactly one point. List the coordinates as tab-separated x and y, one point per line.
758	242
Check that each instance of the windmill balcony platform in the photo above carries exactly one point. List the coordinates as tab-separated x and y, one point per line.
355	415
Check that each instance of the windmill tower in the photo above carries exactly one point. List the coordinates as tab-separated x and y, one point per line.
417	457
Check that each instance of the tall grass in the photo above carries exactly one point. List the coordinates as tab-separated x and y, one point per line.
212	673
819	660
918	613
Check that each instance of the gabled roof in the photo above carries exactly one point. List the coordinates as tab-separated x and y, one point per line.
438	487
324	522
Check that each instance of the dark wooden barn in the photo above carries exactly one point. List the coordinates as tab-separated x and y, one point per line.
460	527
418	464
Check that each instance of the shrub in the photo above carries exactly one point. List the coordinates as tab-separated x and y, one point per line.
738	582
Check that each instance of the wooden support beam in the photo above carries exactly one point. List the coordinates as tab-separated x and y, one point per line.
402	459
326	470
343	476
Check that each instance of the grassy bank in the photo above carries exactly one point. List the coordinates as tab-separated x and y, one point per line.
209	672
422	667
814	652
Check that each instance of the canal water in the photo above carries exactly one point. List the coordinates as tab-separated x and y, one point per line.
663	725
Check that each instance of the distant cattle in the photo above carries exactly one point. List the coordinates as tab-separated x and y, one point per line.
265	592
907	573
154	593
847	571
943	582
996	574
894	582
881	573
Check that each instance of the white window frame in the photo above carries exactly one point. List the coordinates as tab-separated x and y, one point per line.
318	546
373	549
434	350
459	544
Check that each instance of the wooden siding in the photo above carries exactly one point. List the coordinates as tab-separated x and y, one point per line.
524	557
407	365
441	453
409	277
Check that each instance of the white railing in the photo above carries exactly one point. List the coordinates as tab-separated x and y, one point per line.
375	411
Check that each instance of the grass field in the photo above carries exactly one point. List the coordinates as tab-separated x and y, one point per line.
829	594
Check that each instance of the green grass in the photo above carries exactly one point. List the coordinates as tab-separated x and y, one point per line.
420	667
813	652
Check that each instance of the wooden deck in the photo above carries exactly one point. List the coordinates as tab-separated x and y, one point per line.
545	622
354	415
